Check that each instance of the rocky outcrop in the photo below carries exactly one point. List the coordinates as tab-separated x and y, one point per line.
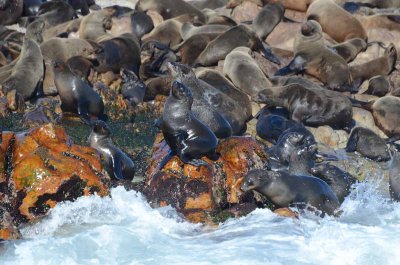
202	194
41	168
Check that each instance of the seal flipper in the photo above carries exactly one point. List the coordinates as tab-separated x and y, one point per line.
160	166
295	66
352	143
83	113
267	53
117	168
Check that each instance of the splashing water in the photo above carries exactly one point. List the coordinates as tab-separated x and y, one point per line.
124	229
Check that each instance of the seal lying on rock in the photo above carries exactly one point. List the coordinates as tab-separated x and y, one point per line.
368	144
285	190
187	136
117	164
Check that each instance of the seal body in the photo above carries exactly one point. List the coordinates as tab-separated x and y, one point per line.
207	107
349	50
314	58
132	87
266	20
187	136
285	190
117	164
270	126
335	21
244	72
378	86
368	144
386	113
339	180
394	177
10	11
76	95
27	72
312	106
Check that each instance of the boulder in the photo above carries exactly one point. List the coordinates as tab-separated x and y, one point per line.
41	168
200	193
246	11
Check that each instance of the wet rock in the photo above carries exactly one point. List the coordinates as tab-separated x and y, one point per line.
8	230
246	11
47	110
202	192
286	212
44	167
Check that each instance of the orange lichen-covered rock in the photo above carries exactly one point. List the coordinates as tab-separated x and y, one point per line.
200	192
47	168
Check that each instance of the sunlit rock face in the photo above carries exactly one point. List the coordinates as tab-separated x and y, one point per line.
202	193
41	168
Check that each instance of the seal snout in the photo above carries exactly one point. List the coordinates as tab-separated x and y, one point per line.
100	127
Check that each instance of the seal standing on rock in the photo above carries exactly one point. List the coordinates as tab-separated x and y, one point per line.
368	144
76	95
339	180
285	190
27	72
187	137
117	164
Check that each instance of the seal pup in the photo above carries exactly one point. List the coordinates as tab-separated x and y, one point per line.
335	21
314	58
210	112
244	72
27	74
285	190
291	140
117	164
76	95
368	144
310	106
270	126
383	65
339	180
235	37
266	20
132	87
187	136
378	86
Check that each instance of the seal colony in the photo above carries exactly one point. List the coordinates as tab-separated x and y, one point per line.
217	66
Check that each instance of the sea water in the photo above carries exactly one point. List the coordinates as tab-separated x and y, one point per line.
124	229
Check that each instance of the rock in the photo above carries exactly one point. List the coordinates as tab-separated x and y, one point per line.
202	192
8	230
43	168
117	107
46	111
246	11
327	136
286	212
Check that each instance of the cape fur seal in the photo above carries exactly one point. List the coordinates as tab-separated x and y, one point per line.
314	58
187	136
76	95
368	144
335	21
27	73
285	190
117	164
